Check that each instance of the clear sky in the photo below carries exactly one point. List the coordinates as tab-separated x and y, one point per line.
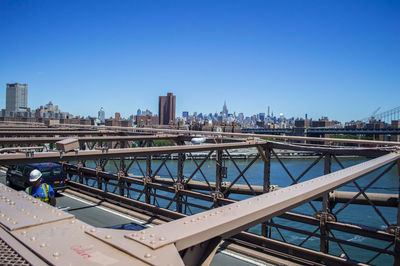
339	59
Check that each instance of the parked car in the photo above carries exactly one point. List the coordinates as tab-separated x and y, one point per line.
52	174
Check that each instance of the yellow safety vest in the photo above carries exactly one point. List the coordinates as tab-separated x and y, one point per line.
45	188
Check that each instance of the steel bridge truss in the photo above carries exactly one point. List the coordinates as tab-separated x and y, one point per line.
180	193
166	190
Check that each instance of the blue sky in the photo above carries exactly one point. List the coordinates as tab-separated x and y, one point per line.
339	59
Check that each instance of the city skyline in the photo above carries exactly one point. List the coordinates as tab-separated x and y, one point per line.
338	59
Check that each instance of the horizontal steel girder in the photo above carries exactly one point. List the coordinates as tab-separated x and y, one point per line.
84	139
52	132
118	153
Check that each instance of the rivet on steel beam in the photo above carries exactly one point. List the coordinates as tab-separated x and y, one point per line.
43	245
193	220
14	222
83	227
134	235
35	201
53	211
41	204
8	219
92	230
142	238
33	238
108	237
22	209
185	222
73	221
152	242
59	214
143	232
161	238
2	215
56	254
35	217
28	213
23	233
152	235
147	255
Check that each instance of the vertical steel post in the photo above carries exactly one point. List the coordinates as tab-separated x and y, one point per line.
324	242
267	183
218	176
121	175
98	169
397	230
179	183
148	179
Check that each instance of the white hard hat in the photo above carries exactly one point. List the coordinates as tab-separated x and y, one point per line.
34	175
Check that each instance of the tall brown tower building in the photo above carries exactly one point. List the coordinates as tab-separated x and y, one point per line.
166	108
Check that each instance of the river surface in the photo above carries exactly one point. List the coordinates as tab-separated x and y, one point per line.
355	214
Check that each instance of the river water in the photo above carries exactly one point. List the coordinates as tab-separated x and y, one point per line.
355	214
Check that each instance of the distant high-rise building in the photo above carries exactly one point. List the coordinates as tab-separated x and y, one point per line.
261	116
139	112
166	108
225	109
185	115
17	97
101	116
117	116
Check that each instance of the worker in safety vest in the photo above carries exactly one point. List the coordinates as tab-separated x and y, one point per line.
43	192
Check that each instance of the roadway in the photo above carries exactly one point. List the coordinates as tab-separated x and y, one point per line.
100	216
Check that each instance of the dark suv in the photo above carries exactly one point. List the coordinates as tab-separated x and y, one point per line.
52	174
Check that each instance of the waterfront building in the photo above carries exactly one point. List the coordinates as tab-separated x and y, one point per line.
166	109
261	116
51	111
16	98
117	116
101	115
185	115
146	120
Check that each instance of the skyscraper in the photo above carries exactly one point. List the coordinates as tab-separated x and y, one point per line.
225	110
166	108
17	97
101	115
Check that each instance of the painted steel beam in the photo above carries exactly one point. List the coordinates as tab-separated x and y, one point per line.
83	139
57	238
49	132
10	159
